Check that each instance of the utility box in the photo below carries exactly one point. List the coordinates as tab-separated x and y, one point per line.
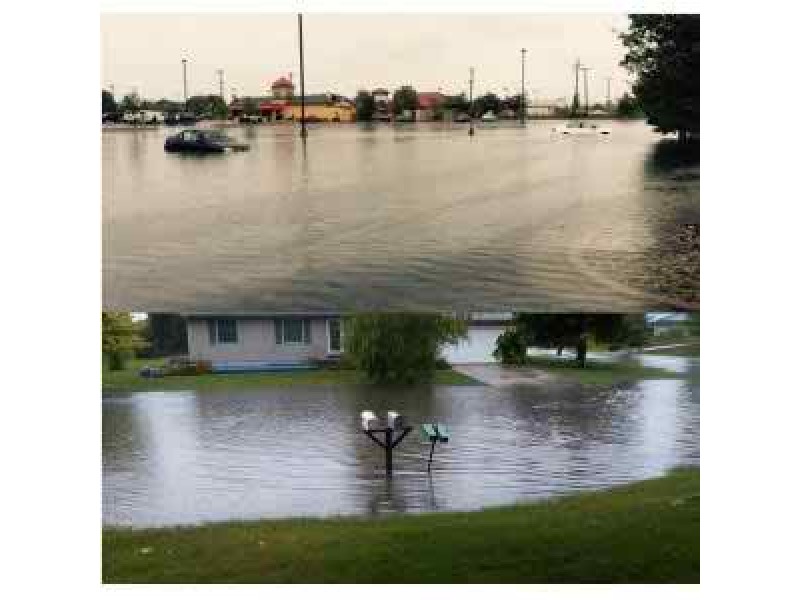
395	420
369	421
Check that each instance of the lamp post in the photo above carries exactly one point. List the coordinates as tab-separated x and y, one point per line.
185	86
471	107
303	132
522	93
586	87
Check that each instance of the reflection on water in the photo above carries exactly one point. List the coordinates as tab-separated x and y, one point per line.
407	217
185	457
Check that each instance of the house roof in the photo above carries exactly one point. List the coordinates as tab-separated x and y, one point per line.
282	82
429	99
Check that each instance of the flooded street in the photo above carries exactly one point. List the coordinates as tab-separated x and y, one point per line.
188	457
416	217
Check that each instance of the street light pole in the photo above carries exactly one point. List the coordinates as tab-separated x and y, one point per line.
471	83
303	132
221	75
586	87
522	94
185	86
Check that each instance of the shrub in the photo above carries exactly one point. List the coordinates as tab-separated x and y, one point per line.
511	348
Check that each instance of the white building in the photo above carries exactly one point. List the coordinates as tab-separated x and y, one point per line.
274	341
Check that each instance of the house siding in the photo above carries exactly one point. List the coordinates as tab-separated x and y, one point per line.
256	342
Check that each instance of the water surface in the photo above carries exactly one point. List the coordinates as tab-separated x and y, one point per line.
189	457
407	217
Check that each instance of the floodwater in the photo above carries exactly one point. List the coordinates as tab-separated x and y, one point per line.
413	217
189	457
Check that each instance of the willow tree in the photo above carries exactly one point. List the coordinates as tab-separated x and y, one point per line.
399	347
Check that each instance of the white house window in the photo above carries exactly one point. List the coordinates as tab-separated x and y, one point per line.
223	331
334	336
296	332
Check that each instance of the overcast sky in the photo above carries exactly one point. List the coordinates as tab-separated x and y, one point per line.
344	53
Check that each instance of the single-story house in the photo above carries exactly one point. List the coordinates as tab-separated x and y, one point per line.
259	342
263	342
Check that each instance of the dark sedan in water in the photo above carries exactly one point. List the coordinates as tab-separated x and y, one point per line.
202	141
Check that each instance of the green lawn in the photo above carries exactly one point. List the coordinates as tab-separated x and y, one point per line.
130	381
645	532
600	373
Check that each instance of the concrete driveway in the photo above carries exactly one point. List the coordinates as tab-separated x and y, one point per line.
499	375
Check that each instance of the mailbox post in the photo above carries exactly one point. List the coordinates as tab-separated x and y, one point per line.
393	433
434	432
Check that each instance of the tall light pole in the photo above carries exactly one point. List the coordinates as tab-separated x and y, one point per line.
221	75
303	132
608	94
185	86
576	99
586	87
522	94
471	83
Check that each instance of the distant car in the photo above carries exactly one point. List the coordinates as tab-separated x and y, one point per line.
489	116
462	118
582	128
180	118
202	141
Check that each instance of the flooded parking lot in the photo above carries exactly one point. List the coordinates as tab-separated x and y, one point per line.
415	217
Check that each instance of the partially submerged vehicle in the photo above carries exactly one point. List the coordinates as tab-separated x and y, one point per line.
203	141
582	128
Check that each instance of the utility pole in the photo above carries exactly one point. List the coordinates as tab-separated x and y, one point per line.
471	83
303	132
221	75
608	94
586	87
185	86
576	99
522	94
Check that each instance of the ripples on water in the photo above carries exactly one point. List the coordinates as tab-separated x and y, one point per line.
187	457
418	217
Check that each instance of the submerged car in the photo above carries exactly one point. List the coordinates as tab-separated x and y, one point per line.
202	141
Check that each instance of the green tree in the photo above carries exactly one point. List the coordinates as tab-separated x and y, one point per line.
365	106
404	98
208	105
120	339
109	105
573	330
663	52
511	347
131	102
166	334
485	103
628	107
399	348
457	103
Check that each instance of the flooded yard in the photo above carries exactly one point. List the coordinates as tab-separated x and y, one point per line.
188	457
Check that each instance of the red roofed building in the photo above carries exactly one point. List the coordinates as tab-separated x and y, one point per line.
428	104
